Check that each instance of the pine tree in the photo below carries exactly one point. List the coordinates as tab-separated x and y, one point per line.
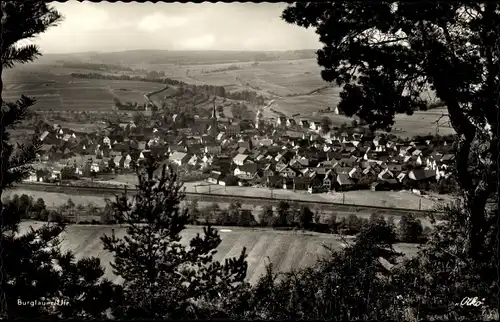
27	260
163	278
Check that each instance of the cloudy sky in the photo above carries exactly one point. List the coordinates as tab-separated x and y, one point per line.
173	26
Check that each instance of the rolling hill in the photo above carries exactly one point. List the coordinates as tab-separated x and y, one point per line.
290	79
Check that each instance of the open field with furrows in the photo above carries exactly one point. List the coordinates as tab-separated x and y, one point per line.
62	92
286	250
55	199
271	78
308	106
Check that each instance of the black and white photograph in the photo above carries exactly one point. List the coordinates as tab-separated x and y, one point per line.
333	160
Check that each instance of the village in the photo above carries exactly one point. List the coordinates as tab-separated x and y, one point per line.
284	153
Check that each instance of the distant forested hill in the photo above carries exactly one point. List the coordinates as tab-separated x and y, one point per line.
134	57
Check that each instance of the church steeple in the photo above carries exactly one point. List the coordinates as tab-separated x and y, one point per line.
213	127
214	110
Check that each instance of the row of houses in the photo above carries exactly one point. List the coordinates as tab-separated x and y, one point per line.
289	159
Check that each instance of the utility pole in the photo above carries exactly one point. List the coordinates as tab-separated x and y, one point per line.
343	198
420	204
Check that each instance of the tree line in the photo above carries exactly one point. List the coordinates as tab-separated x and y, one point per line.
286	215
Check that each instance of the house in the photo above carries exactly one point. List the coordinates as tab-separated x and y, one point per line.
243	150
233	129
290	122
240	159
316	184
247	171
343	182
179	158
228	180
304	124
213	148
268	170
287	183
119	161
327	182
106	141
368	176
281	121
127	161
144	154
288	172
447	158
301	183
355	173
193	161
394	167
275	181
45	152
422	175
315	126
384	185
32	177
379	141
44	135
385	174
214	177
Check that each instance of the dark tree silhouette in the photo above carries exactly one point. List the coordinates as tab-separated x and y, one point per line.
386	54
164	278
27	258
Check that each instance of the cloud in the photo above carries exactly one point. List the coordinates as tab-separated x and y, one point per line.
201	42
158	21
88	17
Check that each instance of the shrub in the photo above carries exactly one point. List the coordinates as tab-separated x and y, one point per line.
57	217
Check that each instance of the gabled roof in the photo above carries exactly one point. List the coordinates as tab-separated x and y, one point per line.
44	135
249	168
178	156
343	179
240	158
117	159
421	174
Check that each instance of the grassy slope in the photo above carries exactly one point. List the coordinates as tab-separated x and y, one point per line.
286	250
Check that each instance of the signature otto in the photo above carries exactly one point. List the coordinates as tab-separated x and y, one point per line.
471	302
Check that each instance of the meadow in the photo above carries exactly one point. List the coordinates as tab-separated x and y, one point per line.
284	249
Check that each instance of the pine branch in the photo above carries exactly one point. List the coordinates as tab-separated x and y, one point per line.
12	56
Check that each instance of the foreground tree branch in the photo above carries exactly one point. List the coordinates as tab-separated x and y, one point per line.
448	48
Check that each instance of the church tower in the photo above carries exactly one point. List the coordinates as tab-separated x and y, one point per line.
213	125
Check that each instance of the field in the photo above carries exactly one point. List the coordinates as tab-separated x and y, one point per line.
60	92
286	250
272	79
295	86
